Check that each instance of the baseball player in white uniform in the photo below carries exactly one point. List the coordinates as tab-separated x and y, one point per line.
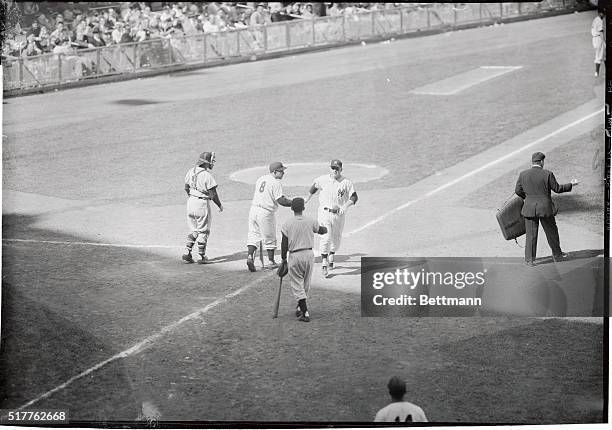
262	215
297	242
398	410
201	188
599	41
337	195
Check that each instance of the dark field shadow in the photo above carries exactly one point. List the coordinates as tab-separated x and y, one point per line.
572	203
529	357
67	308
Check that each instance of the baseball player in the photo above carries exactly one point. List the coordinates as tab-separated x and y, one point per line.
398	410
262	215
297	241
599	41
337	195
201	188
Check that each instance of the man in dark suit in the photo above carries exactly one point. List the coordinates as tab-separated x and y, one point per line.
534	186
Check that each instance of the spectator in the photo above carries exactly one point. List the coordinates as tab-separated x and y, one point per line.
296	10
334	10
107	37
140	34
31	49
307	12
241	22
96	40
58	35
80	41
44	21
398	410
258	17
40	34
80	26
210	25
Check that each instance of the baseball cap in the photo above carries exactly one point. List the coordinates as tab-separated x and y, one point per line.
336	163
297	204
537	157
277	165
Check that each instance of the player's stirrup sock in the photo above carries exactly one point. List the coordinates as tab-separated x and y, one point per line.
190	241
270	254
252	250
302	305
324	259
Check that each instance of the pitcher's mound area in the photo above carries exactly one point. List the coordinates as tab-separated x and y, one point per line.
302	174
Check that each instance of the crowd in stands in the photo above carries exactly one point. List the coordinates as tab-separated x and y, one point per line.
80	26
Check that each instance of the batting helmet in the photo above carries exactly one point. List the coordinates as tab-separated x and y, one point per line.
207	158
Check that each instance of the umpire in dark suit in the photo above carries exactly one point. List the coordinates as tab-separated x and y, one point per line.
534	186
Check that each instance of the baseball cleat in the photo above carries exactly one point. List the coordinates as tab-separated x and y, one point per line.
187	258
203	260
251	265
305	317
271	265
324	271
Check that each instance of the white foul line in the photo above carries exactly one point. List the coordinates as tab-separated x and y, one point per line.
118	245
140	346
471	173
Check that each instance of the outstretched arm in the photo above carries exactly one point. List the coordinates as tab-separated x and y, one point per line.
284	201
559	188
311	192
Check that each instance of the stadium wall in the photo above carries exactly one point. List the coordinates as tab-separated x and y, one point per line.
29	75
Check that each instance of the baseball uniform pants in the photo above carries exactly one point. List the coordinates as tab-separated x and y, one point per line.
199	218
262	227
330	241
600	48
300	265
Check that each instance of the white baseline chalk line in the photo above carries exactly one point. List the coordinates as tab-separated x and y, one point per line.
142	345
118	245
471	173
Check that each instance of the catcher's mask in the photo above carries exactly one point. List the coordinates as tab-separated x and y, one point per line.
207	158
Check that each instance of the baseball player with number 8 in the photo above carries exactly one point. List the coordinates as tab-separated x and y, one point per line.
336	196
267	197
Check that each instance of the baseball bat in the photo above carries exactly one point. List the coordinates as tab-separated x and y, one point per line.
277	301
261	257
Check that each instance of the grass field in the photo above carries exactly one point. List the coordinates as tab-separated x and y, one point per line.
100	317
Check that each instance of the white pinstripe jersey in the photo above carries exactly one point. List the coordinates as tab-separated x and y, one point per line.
334	193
